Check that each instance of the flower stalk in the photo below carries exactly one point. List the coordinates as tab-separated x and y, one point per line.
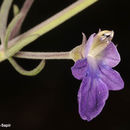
44	55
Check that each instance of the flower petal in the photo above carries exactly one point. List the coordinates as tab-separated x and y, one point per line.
79	70
111	77
91	97
89	44
109	56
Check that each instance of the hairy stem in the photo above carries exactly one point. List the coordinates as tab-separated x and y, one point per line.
43	55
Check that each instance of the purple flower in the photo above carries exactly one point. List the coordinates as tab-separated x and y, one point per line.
97	58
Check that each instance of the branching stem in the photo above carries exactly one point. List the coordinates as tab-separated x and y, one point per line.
17	43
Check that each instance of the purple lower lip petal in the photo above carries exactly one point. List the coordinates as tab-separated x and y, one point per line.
91	97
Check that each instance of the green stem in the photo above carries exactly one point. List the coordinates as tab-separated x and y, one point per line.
60	17
4	11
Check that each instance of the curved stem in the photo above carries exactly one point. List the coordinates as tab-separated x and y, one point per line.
22	71
44	55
